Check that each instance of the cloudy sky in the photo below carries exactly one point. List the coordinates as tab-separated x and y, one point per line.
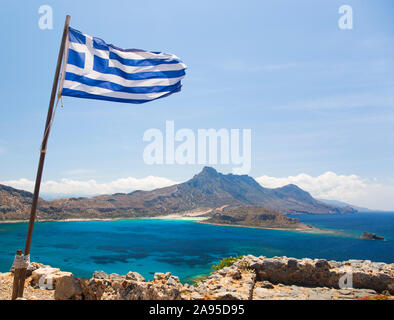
319	100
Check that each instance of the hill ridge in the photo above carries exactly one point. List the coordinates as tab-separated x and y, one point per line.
207	189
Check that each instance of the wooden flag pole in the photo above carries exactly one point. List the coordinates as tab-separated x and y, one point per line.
18	286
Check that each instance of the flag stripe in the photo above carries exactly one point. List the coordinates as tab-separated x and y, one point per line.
76	37
96	70
75	85
101	65
117	87
83	94
119	80
139	62
76	48
128	59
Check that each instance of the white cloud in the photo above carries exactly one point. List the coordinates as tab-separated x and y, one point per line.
347	188
92	187
328	185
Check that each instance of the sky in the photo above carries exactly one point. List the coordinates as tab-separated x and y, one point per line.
319	100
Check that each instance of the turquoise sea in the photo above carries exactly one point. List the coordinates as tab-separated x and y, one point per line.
188	249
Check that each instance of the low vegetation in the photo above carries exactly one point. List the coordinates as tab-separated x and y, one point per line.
225	262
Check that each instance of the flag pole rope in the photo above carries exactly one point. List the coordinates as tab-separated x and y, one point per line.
48	129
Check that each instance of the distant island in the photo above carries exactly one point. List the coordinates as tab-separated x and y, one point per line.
371	236
219	198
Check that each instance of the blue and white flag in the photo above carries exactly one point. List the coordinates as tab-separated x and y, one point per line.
94	69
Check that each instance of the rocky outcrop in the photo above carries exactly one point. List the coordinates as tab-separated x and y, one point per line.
43	276
130	287
47	277
250	278
259	217
371	236
229	283
256	278
68	288
322	273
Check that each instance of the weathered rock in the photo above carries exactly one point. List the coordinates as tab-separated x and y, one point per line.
266	285
278	278
322	265
226	284
59	275
318	273
390	288
133	287
235	274
44	271
47	277
100	275
68	288
134	276
292	263
158	276
228	296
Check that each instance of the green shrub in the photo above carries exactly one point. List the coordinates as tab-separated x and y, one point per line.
226	262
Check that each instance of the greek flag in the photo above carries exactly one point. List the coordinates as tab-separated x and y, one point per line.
93	69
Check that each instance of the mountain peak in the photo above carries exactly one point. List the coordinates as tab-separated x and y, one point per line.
209	171
291	186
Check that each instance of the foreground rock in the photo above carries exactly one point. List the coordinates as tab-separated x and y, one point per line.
363	274
130	287
256	278
48	277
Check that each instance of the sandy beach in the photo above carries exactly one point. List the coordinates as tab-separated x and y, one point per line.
304	230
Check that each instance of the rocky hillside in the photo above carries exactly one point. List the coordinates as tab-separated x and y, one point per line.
260	217
208	189
15	204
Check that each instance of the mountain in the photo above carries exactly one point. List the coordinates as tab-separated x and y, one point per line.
208	189
344	204
15	204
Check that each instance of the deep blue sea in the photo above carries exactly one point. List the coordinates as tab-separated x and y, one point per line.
188	249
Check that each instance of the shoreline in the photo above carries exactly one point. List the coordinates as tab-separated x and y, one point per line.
302	230
169	217
195	218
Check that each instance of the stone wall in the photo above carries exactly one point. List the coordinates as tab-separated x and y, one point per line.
322	273
248	278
